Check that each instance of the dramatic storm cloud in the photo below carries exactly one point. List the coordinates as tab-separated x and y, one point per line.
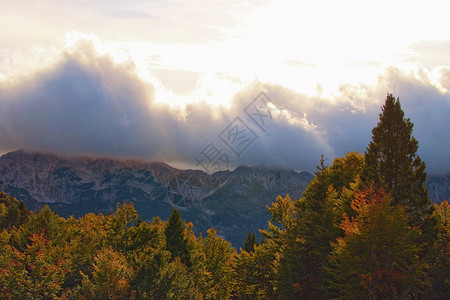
88	104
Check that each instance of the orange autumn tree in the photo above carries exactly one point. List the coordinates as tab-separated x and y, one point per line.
38	272
377	257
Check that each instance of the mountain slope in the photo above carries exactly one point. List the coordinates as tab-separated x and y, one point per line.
439	188
233	202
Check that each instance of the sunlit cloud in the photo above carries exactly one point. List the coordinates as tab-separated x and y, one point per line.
87	103
160	79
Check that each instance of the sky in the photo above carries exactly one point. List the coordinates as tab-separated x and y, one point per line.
214	84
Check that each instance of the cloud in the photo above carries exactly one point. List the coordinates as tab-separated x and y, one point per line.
344	122
88	104
297	63
432	53
169	21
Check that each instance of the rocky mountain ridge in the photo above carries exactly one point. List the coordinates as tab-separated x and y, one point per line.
233	202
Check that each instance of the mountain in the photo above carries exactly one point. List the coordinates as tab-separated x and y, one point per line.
439	188
233	202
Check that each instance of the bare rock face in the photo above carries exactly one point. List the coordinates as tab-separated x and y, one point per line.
233	202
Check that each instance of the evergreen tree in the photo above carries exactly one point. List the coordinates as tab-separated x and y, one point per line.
316	223
175	241
250	242
12	212
391	161
255	273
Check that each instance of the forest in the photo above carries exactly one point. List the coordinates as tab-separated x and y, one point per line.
364	228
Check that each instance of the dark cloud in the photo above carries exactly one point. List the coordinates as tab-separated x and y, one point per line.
87	104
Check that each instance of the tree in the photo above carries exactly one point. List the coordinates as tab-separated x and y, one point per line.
219	256
175	241
377	258
148	268
315	224
440	254
391	162
121	225
250	242
255	272
86	236
175	282
44	221
12	212
36	273
110	277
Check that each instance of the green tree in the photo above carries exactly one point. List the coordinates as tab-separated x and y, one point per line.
12	212
5	248
377	258
219	262
110	277
175	282
391	161
175	241
44	221
250	242
314	225
86	236
121	223
440	254
149	263
255	272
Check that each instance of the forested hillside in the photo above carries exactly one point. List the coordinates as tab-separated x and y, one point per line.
364	228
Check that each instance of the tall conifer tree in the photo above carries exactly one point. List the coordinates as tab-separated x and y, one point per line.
250	242
175	241
392	162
